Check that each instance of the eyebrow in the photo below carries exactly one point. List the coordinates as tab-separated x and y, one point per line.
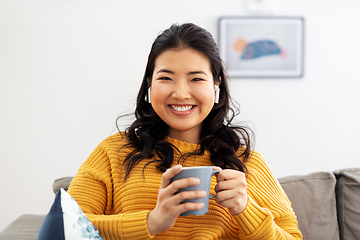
165	71
197	72
171	72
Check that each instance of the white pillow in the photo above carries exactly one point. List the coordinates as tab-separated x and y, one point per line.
66	221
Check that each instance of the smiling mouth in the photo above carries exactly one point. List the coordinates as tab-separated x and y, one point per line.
182	108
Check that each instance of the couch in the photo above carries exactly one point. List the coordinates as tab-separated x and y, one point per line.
327	205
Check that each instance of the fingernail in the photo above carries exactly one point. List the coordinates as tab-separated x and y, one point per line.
196	181
203	193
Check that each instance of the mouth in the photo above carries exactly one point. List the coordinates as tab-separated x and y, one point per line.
182	108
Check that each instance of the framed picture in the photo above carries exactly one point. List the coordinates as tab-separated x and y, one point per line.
262	47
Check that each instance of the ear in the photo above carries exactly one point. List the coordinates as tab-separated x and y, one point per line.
217	80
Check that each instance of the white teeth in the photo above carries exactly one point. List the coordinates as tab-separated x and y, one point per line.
181	109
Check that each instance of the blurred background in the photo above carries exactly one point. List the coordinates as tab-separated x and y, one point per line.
69	68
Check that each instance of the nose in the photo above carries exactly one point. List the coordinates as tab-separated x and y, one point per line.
181	91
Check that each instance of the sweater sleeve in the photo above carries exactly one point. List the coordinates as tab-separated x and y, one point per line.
92	189
268	214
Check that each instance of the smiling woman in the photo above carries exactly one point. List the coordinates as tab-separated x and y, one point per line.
183	119
182	92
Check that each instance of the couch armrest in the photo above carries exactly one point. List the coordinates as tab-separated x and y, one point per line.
24	227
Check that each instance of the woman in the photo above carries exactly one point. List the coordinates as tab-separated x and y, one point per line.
182	119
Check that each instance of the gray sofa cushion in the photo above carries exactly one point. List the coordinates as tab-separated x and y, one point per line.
61	183
313	200
348	202
25	227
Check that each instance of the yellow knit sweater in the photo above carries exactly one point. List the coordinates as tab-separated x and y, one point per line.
119	209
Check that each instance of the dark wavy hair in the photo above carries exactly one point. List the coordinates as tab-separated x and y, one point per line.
229	145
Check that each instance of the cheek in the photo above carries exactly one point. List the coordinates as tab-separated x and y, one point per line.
205	96
158	95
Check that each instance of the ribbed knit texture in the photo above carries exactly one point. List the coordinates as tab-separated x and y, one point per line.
119	209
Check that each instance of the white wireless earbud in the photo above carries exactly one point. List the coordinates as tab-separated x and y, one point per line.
217	93
147	98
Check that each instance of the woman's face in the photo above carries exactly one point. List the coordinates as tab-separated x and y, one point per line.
182	92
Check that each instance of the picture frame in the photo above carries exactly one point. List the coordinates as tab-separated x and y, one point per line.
262	47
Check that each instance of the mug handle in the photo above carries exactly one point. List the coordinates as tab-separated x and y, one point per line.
212	174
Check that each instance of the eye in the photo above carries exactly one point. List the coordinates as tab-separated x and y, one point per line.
165	78
197	79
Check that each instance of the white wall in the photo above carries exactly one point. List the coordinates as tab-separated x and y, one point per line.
68	68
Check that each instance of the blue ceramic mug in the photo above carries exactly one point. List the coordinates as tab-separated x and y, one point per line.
204	173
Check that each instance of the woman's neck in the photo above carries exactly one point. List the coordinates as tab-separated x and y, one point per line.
189	136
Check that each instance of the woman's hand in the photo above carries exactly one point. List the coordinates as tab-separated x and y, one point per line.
231	190
168	207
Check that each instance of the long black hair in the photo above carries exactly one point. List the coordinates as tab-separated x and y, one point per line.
229	145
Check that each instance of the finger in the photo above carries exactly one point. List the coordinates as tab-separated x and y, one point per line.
216	168
168	175
182	183
228	174
189	206
188	195
225	195
175	204
184	207
228	185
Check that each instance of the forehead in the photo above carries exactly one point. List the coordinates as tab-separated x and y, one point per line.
182	59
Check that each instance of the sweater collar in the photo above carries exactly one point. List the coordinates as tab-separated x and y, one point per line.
183	146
